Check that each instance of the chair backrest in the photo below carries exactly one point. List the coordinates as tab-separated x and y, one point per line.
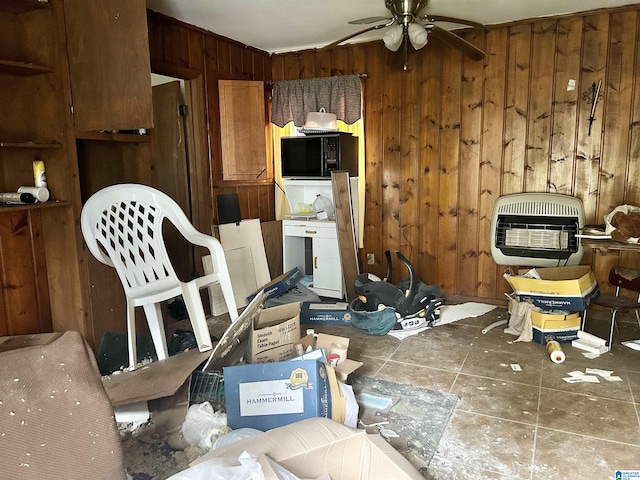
626	278
122	226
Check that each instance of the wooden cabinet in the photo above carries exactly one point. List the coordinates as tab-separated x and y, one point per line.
38	244
109	64
110	80
242	127
66	63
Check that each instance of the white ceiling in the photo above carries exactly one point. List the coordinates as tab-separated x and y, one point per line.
278	26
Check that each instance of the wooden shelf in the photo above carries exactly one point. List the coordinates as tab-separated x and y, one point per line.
611	245
22	69
21	6
114	137
42	145
4	208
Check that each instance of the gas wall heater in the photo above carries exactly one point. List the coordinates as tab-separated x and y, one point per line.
537	230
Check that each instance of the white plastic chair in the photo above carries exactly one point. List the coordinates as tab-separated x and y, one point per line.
122	226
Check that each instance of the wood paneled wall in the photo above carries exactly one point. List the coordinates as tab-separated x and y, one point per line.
184	51
449	136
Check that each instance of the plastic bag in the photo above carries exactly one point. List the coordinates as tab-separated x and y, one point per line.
201	424
223	469
234	436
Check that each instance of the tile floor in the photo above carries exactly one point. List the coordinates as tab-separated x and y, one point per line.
517	425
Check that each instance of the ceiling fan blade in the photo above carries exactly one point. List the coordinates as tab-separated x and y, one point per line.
364	21
344	39
467	48
426	18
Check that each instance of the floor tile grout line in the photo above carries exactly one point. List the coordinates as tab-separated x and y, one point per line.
633	398
593	437
458	372
542	427
588	395
537	425
385	360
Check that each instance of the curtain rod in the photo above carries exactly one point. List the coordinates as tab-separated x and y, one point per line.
361	75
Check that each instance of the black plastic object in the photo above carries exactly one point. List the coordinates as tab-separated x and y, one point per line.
408	297
228	208
113	354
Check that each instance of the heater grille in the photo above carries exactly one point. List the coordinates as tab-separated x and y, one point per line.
537	230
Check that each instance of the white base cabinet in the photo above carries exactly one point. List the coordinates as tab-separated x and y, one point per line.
310	244
314	243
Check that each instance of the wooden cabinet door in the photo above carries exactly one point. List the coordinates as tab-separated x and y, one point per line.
108	52
242	125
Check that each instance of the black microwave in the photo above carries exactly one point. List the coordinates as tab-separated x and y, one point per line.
318	155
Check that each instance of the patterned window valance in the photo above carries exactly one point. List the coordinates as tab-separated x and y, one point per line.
293	99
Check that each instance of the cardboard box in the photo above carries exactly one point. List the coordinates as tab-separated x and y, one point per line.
279	285
274	333
560	288
554	320
325	342
559	335
325	313
271	395
316	446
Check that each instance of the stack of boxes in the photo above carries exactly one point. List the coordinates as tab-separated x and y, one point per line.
561	293
279	386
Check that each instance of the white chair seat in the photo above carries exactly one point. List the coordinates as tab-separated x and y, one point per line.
122	226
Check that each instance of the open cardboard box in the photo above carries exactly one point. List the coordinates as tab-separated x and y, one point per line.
317	446
325	341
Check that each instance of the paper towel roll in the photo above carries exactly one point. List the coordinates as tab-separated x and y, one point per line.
592	339
555	351
41	193
340	350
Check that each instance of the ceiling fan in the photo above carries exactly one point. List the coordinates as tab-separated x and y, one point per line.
408	24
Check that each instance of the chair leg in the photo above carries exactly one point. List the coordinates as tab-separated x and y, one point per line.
225	280
613	323
637	317
156	327
193	302
584	320
131	336
227	292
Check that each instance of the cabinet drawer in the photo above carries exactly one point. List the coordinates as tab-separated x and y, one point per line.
310	230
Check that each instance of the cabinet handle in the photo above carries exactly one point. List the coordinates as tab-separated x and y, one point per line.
315	263
311	232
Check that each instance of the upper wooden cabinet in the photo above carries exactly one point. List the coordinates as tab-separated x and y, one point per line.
242	127
108	51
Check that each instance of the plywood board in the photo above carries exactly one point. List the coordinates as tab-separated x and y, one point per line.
346	235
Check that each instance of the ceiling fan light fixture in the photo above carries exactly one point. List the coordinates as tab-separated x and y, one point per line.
418	35
393	37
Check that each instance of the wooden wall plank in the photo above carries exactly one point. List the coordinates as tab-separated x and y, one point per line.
632	188
540	108
491	159
470	142
449	170
593	66
565	104
391	174
427	224
409	179
517	109
615	108
374	163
